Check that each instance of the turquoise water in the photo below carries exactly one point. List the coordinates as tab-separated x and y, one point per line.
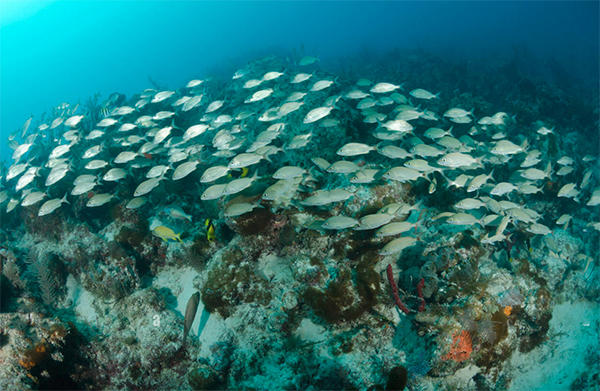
54	52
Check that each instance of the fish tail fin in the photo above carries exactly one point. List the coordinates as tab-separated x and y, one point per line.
445	177
479	161
117	194
421	214
173	124
425	175
548	171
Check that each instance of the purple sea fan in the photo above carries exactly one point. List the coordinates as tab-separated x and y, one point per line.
486	331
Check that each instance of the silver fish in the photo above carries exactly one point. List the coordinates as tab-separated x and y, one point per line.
373	221
289	172
51	205
237	185
423	94
213	192
136	203
339	222
114	175
146	186
354	149
381	88
163	95
239	209
398	245
33	198
316	114
99	200
300	77
321	85
184	170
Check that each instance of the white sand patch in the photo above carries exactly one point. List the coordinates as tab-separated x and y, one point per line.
559	361
82	300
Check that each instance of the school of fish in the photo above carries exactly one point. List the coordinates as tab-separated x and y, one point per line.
263	119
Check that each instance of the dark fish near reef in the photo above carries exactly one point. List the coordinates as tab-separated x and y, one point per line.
190	314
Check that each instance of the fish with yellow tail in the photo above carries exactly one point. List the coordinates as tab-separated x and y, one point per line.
166	233
238	174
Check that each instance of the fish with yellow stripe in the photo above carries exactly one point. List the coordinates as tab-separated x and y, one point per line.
166	233
210	230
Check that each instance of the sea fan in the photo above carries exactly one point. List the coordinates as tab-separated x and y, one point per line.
486	331
467	321
12	272
48	284
511	298
419	366
45	278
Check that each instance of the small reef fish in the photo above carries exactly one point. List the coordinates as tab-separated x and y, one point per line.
99	200
398	245
239	209
166	233
339	222
176	212
51	205
190	314
423	94
210	230
136	203
381	88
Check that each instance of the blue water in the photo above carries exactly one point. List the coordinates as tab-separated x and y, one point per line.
57	51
